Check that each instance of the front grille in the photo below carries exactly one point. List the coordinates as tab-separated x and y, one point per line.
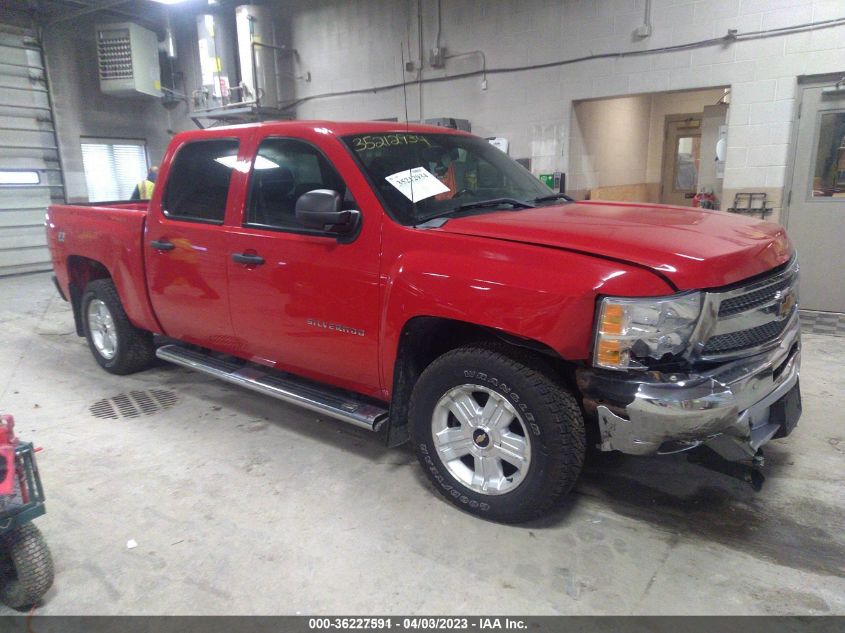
735	305
744	339
752	316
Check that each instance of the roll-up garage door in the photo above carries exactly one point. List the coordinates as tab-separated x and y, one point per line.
30	172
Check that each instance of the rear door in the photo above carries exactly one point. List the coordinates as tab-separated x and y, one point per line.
816	207
308	303
186	243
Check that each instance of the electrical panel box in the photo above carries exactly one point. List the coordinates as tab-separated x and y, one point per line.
127	60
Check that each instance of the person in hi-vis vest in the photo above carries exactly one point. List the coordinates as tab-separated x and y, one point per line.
144	189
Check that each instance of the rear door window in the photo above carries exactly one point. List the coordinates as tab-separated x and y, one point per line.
198	182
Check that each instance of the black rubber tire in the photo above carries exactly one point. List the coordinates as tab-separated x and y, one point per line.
554	420
27	568
135	349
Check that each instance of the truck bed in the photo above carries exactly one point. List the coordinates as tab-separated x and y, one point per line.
111	233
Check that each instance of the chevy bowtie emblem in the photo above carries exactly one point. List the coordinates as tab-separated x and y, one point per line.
481	438
787	302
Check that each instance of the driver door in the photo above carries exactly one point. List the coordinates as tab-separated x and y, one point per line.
300	299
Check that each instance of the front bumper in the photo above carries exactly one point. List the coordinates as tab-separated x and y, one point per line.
734	408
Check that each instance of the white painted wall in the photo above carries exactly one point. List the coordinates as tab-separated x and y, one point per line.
610	142
348	44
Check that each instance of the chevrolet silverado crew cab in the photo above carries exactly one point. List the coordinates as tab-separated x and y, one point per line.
417	282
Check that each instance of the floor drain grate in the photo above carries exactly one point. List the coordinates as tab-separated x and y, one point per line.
133	404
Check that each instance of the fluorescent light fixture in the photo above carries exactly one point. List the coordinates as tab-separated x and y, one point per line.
264	163
227	161
169	1
14	177
260	162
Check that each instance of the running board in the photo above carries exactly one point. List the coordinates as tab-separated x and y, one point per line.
332	403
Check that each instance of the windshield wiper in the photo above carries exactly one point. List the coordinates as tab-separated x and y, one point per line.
554	196
495	202
492	202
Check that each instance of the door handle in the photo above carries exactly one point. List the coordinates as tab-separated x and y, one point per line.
249	260
162	245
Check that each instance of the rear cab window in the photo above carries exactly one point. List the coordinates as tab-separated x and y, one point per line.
198	181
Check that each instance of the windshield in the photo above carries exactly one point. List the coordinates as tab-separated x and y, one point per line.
420	176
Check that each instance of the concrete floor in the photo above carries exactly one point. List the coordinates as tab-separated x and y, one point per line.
241	504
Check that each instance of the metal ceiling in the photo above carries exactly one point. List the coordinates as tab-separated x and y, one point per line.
49	12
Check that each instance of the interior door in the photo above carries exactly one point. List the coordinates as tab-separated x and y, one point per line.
681	160
187	248
816	202
302	300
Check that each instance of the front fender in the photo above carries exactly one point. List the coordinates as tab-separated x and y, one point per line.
538	293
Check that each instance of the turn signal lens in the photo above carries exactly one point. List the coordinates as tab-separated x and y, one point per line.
609	353
612	318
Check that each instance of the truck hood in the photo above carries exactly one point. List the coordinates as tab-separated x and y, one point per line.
692	248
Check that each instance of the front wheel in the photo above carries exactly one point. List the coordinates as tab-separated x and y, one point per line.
496	433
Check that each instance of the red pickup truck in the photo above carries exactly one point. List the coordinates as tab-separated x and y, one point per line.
416	281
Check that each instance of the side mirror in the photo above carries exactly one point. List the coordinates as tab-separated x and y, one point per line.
320	209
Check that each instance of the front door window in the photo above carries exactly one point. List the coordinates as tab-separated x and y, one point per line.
284	169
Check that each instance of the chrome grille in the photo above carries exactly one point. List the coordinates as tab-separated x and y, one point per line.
744	339
752	299
751	317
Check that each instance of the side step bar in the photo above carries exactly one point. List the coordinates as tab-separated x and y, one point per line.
324	400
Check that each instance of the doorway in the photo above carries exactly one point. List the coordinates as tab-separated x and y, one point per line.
815	216
681	159
618	145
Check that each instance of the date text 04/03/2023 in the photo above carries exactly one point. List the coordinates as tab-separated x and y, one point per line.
417	623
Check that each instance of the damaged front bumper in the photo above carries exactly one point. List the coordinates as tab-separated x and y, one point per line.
732	408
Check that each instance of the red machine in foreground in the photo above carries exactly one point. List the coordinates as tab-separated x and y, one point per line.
26	567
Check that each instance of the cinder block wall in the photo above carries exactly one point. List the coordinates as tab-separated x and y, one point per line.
353	44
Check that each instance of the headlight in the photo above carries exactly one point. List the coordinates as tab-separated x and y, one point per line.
634	333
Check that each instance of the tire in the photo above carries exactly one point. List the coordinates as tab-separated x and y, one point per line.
27	568
539	423
125	349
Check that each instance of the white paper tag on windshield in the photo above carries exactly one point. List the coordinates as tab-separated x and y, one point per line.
417	184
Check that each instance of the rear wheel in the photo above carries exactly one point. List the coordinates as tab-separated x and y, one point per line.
496	432
117	345
27	567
